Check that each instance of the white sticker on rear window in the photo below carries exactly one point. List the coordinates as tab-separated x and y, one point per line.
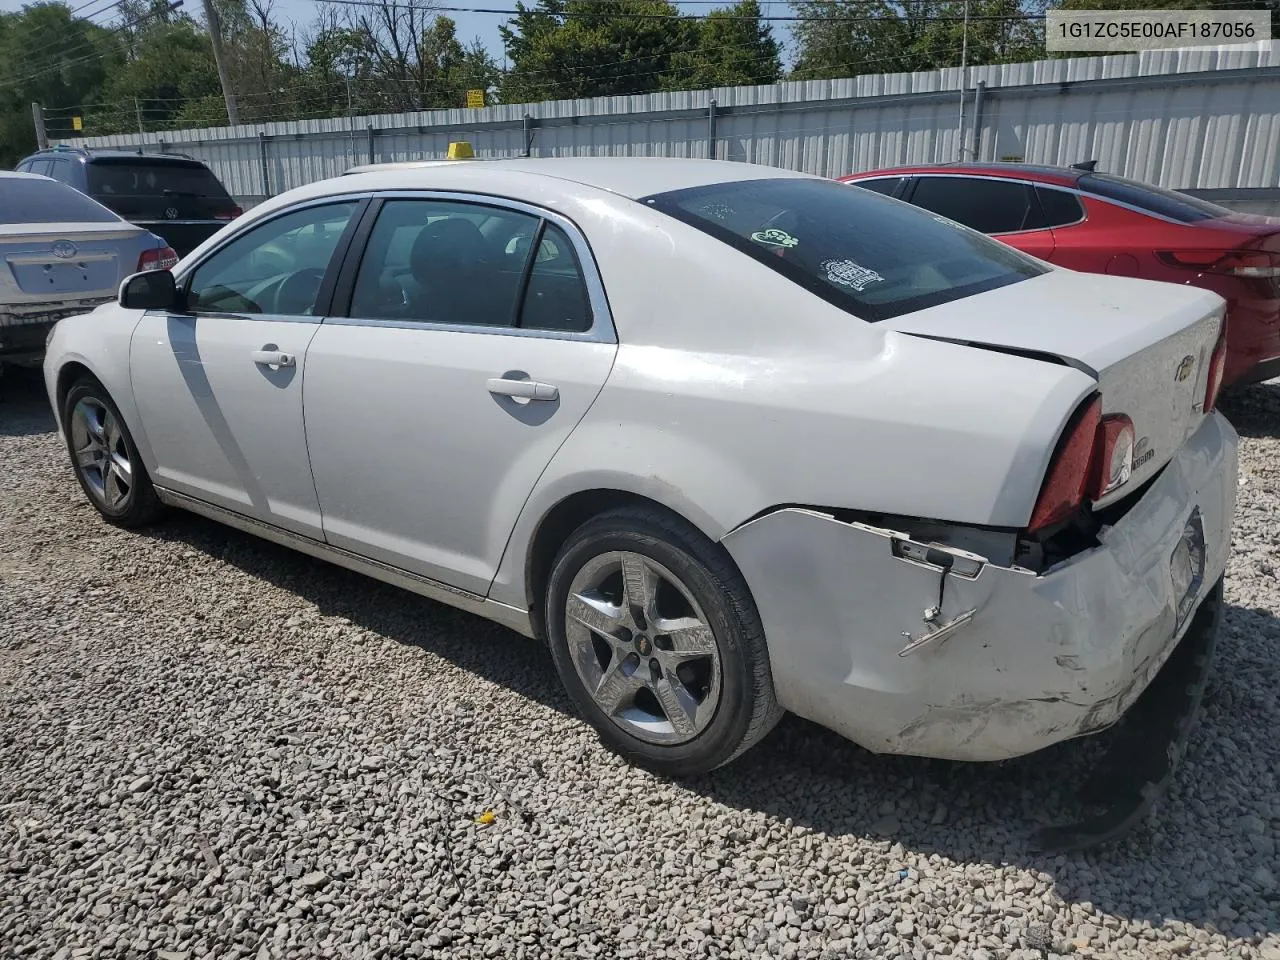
775	238
849	274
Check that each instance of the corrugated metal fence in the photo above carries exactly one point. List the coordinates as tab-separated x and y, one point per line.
1207	119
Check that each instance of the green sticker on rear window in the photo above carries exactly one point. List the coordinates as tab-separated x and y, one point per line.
775	238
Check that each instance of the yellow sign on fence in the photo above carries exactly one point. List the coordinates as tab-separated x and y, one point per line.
77	123
475	98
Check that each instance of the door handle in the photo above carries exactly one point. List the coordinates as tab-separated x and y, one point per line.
525	389
272	358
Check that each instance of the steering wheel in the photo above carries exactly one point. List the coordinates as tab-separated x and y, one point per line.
297	293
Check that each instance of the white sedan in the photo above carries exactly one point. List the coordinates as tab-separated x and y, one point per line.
731	440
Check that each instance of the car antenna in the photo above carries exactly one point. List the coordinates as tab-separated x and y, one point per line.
1088	166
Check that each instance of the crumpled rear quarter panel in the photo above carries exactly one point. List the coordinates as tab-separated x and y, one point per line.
1044	659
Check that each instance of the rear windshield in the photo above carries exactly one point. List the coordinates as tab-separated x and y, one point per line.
128	177
867	254
1170	204
27	200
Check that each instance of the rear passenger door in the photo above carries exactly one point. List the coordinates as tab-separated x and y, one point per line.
1005	209
471	337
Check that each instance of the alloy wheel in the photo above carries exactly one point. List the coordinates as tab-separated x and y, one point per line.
643	648
100	452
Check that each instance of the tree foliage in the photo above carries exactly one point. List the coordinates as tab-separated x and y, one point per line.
152	69
847	38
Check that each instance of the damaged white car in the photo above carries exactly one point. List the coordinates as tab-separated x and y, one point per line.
732	440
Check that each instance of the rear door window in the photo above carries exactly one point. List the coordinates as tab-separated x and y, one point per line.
886	185
44	201
865	253
990	206
1060	208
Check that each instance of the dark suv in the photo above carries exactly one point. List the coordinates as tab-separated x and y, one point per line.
173	196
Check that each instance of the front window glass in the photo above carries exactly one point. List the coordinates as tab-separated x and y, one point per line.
275	268
872	256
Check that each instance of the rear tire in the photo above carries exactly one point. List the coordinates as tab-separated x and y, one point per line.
658	642
105	458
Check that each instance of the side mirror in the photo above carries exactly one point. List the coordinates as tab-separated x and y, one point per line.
149	290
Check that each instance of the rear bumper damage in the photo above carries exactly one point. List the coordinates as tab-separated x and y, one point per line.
1031	660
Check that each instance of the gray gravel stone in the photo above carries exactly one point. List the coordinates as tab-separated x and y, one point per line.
216	748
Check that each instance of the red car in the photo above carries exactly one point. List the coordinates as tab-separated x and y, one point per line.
1090	221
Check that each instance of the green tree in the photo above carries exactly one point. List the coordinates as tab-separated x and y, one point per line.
563	49
848	38
49	57
732	47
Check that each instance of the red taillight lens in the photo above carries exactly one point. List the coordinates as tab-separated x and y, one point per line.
1064	485
159	258
228	214
1217	366
1239	263
1114	460
1094	457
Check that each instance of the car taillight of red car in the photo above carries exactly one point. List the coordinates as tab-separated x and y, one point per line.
1256	264
157	258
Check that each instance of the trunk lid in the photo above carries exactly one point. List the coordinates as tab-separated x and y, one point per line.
64	261
1148	345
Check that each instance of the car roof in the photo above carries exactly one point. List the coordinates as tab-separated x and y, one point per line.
83	153
18	175
633	177
1063	176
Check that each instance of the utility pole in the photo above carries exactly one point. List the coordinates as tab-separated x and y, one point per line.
42	136
964	58
137	109
215	36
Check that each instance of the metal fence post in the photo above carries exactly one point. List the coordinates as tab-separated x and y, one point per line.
711	129
528	135
372	132
979	94
262	153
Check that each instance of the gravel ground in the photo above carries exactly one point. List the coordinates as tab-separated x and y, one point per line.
216	747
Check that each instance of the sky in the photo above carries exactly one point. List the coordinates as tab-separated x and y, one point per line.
300	13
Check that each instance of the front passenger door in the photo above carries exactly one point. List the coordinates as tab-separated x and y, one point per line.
219	385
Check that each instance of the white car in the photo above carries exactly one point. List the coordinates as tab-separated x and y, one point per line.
732	440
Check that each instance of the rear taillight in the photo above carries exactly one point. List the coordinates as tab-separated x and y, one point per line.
157	258
1064	484
1113	459
1217	366
1257	264
1094	457
228	214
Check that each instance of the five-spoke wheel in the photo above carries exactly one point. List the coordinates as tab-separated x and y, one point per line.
656	637
104	456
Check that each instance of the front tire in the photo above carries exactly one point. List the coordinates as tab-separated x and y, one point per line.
658	642
105	458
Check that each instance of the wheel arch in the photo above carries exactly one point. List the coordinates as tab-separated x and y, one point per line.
557	524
